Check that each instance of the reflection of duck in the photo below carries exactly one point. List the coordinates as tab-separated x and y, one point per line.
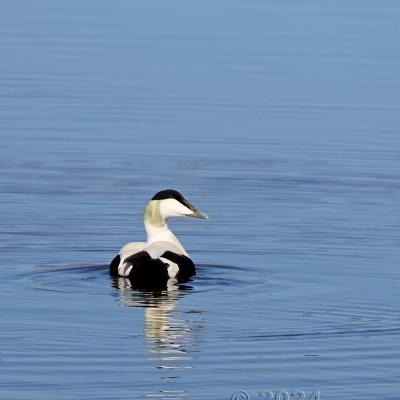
171	335
162	257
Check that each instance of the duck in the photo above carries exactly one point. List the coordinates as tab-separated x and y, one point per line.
161	257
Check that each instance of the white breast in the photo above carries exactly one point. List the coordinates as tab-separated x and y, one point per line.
157	249
132	247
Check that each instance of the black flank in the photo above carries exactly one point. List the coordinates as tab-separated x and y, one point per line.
114	265
147	272
138	258
185	264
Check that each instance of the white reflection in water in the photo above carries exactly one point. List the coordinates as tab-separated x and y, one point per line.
172	336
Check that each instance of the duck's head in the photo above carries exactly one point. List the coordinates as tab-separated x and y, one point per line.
169	203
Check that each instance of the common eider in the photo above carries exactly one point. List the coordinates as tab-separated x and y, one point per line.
162	256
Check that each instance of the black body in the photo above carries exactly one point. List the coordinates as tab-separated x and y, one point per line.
150	272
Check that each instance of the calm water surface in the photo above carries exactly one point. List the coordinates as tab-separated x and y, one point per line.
278	119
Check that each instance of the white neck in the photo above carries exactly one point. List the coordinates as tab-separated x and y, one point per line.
155	222
162	233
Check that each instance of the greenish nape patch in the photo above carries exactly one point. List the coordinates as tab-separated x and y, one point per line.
152	214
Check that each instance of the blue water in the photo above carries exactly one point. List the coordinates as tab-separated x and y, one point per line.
278	119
